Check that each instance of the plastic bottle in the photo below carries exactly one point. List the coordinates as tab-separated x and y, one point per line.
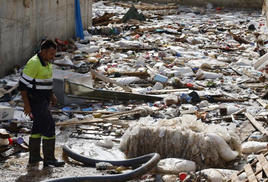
186	97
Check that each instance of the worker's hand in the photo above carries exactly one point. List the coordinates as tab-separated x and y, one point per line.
54	100
27	109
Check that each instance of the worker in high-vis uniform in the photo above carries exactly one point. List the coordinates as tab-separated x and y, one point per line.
36	88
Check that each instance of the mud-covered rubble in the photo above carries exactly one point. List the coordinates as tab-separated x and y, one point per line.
188	83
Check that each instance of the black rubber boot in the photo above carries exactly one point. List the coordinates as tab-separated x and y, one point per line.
34	149
49	157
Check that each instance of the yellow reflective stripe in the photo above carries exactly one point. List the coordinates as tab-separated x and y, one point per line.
41	87
47	138
27	77
39	135
26	83
44	80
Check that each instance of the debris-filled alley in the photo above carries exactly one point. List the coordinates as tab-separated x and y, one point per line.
151	93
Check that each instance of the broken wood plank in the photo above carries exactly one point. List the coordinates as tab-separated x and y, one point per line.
136	49
106	119
256	124
106	79
9	92
262	102
258	168
130	73
235	70
243	170
73	42
263	163
168	91
250	174
254	85
84	112
108	22
147	6
238	39
86	121
137	22
102	18
239	111
223	99
234	177
135	111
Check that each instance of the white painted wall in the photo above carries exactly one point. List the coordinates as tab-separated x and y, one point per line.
22	27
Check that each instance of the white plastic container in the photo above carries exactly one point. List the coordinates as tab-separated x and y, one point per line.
208	75
160	78
6	113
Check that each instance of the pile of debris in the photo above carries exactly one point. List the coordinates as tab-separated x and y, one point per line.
186	82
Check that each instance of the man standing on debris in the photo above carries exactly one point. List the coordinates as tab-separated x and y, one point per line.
36	88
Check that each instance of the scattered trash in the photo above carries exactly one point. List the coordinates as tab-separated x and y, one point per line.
188	83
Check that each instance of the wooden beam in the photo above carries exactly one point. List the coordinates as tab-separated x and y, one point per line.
86	121
256	124
106	79
243	170
234	177
123	113
250	174
83	112
261	102
263	163
168	91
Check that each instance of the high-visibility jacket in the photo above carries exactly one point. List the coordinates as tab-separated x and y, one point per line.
37	79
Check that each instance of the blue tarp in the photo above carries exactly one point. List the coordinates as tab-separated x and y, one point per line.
78	20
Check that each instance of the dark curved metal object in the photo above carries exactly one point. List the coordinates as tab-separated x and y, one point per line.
150	159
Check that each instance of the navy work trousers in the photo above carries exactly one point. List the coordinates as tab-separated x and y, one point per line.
42	118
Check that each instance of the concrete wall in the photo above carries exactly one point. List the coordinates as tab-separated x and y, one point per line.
22	27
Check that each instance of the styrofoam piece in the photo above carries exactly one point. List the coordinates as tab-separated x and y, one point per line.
261	62
6	113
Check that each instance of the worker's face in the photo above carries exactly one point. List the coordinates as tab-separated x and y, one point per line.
49	54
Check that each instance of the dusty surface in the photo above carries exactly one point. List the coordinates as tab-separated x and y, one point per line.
16	168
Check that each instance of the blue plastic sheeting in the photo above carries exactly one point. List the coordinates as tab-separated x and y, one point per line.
78	21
